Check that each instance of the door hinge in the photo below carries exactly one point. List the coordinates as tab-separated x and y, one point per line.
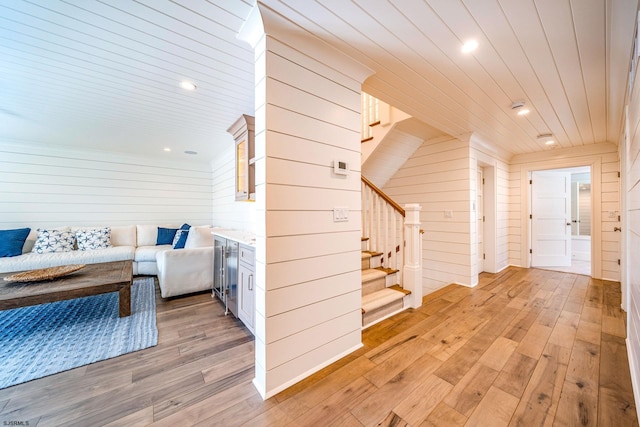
530	181
530	251
483	218
484	256
482	181
530	216
618	262
618	218
618	174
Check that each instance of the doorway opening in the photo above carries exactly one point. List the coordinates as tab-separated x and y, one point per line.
561	211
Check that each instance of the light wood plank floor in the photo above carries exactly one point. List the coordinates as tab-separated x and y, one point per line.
525	347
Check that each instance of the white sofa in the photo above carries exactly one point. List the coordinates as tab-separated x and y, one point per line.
179	271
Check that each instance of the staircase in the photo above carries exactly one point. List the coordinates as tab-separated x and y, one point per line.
382	296
392	246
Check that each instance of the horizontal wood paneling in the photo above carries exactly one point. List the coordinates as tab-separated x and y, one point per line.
304	294
305	316
632	247
312	270
437	177
48	188
98	75
308	301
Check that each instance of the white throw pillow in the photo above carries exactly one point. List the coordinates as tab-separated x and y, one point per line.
54	240
94	238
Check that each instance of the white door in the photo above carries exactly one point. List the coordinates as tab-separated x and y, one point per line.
480	219
551	219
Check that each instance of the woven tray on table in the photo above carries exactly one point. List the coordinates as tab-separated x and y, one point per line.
44	273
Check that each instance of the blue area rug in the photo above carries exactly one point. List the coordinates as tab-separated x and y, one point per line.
46	339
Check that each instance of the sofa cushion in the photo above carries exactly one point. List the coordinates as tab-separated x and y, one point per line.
93	238
32	260
123	235
12	241
165	235
54	240
199	237
147	234
148	253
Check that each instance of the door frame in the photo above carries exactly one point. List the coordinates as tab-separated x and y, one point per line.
489	225
595	164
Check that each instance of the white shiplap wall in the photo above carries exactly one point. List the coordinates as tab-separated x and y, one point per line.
437	177
631	155
441	176
227	212
44	187
605	188
308	308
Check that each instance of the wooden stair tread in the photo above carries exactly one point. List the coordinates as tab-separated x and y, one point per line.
387	270
373	253
380	298
397	287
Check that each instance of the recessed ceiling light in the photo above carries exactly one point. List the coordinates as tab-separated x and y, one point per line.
187	85
547	138
469	46
167	149
523	112
519	107
190	152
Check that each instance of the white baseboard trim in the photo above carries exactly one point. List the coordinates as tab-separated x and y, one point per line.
503	268
304	375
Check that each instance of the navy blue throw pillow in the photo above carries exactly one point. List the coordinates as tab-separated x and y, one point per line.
181	240
185	226
165	236
12	241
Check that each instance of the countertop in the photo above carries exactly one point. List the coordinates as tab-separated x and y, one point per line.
241	236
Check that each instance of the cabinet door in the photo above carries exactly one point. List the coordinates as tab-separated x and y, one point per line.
231	276
218	268
246	309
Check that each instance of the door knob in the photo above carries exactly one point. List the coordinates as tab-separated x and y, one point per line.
569	223
617	229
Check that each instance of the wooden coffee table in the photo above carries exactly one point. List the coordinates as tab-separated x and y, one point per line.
93	279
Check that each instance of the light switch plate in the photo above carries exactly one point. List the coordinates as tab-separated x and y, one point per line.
340	214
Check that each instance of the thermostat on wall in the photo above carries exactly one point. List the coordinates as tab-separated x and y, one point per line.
340	167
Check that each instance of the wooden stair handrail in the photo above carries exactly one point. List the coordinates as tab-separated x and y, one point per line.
383	195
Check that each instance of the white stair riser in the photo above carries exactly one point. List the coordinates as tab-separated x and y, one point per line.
375	261
391	279
382	313
373	285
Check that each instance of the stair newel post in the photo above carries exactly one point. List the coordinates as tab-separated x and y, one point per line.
412	270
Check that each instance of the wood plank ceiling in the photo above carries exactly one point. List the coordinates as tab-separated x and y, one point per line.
104	74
